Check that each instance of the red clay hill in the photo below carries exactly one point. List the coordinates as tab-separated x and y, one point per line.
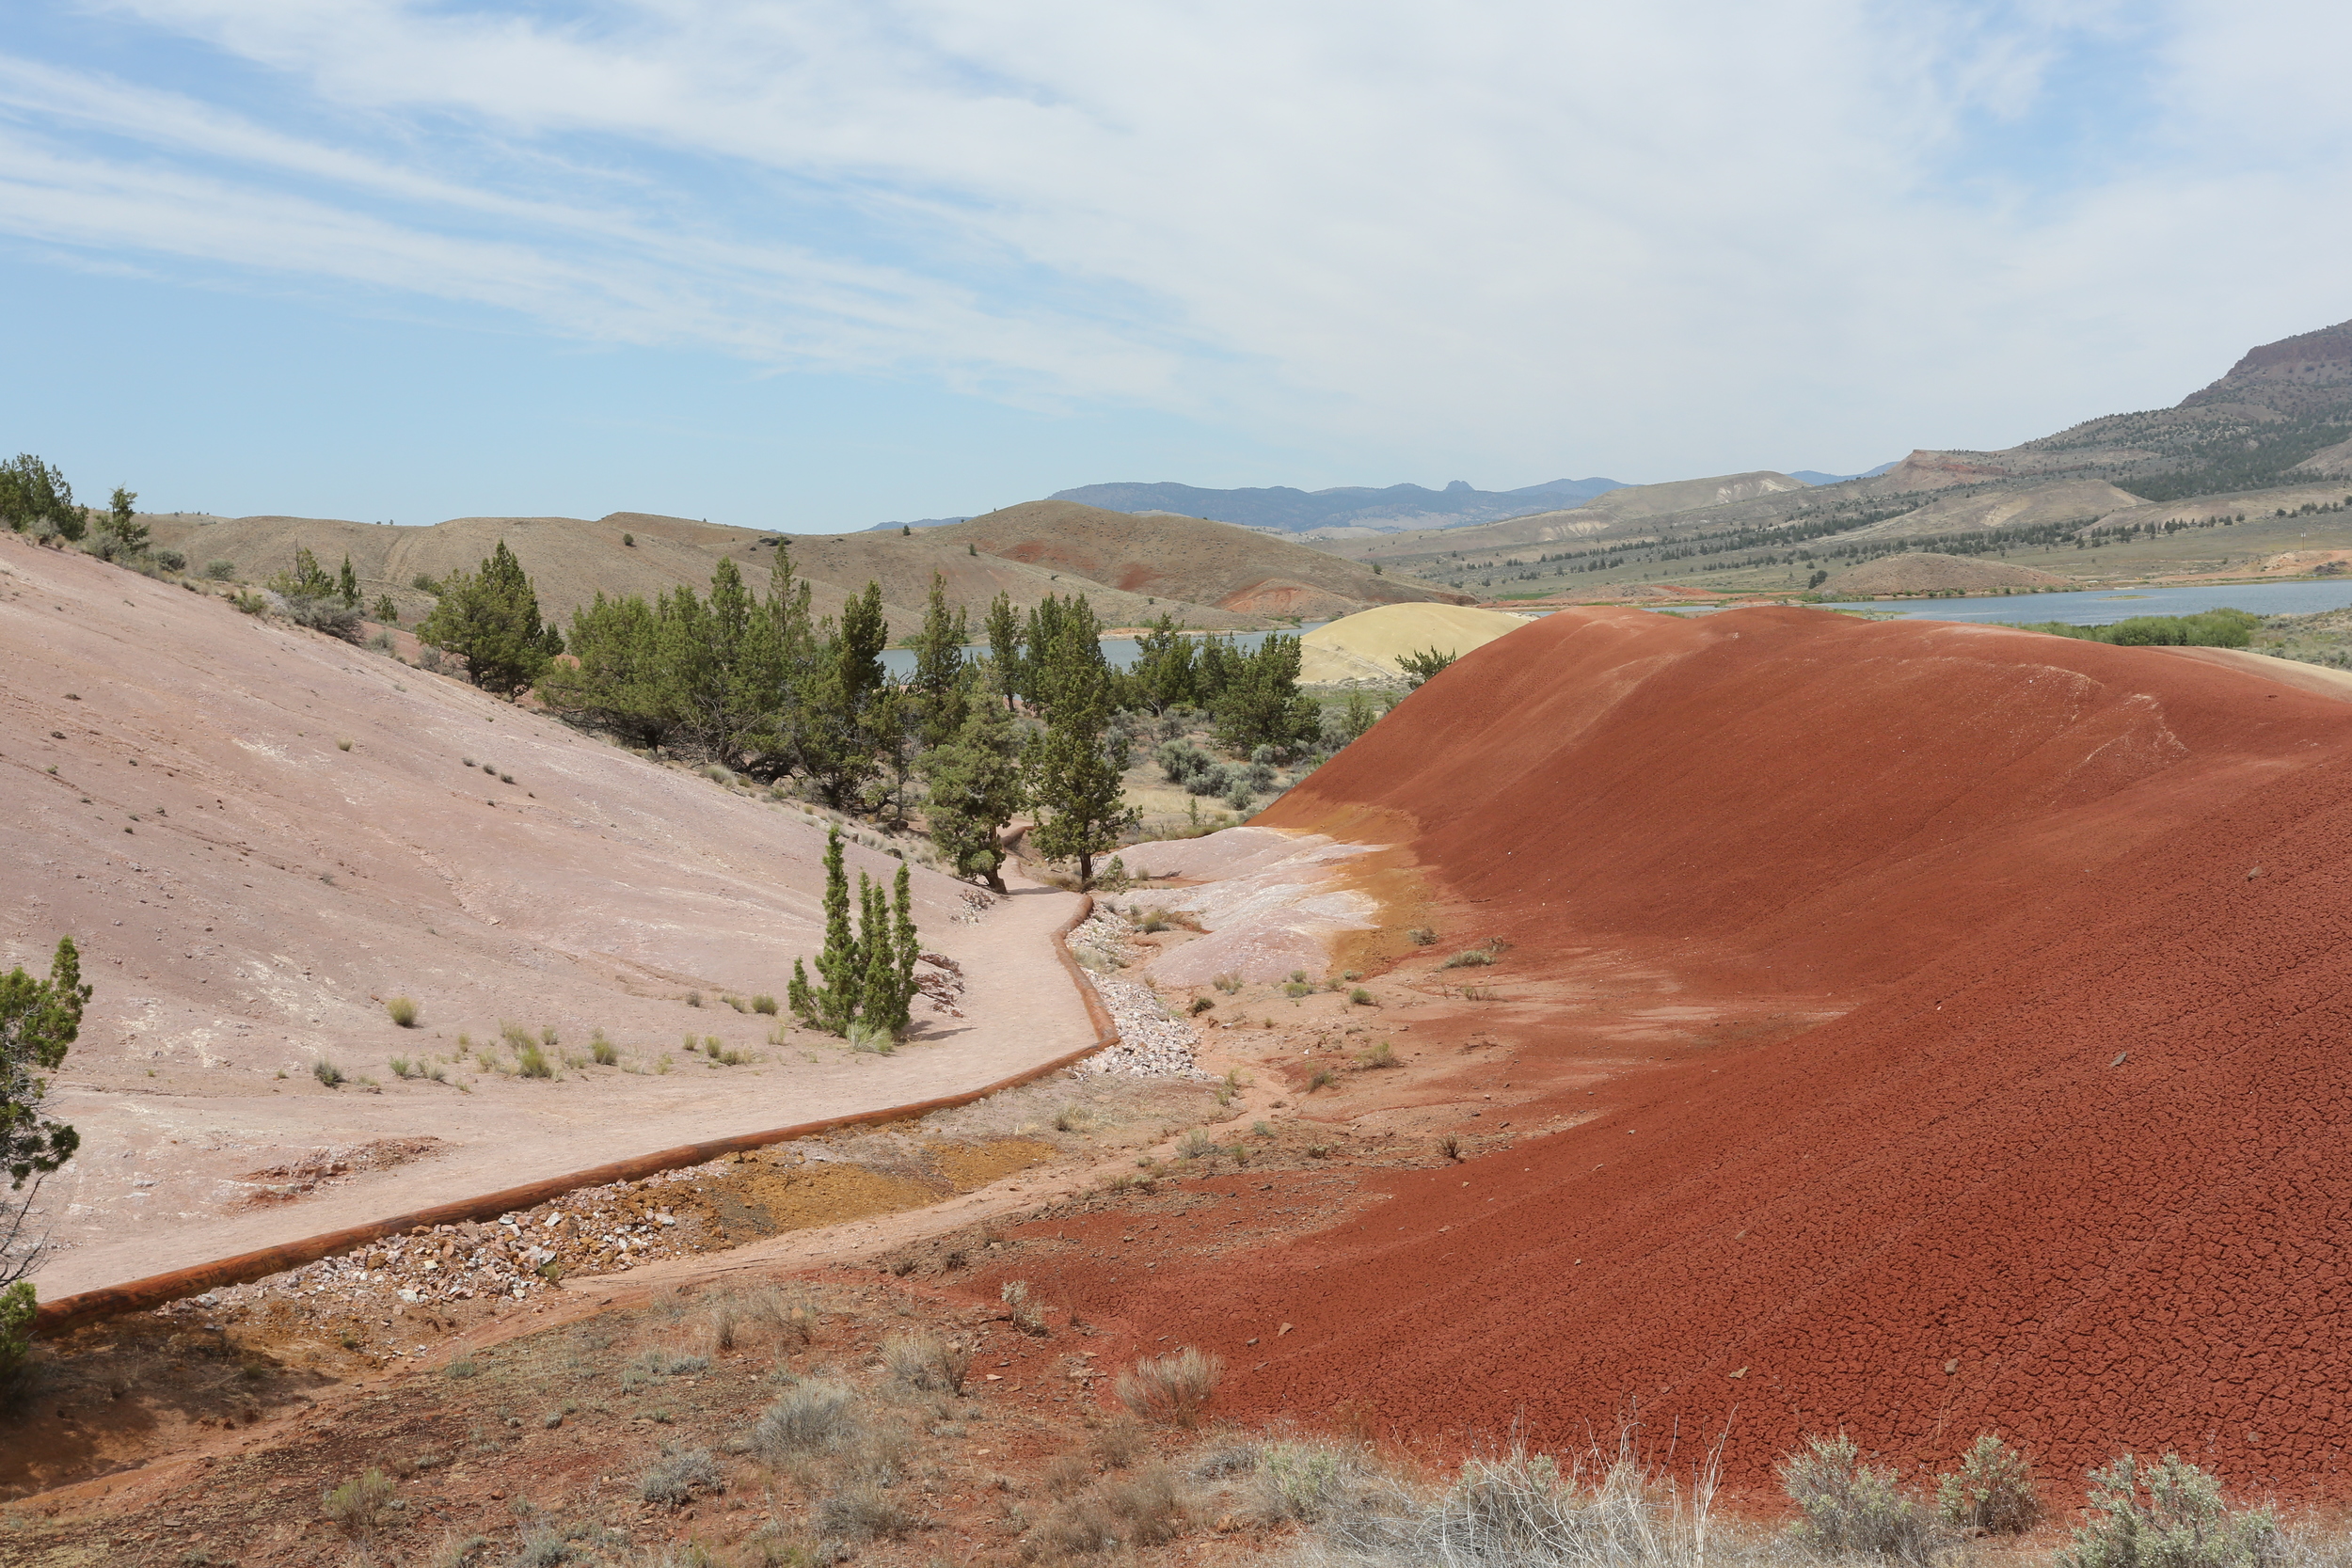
2076	1164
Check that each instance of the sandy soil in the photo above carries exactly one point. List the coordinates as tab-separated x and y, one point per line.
1366	645
248	894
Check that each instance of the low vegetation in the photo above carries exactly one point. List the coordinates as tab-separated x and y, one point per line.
2214	628
1174	1388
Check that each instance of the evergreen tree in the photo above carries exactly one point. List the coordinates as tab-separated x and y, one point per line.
1076	765
834	737
38	1020
977	786
308	579
346	581
1163	676
1260	703
830	1006
124	534
939	686
868	975
385	610
1004	648
490	618
32	494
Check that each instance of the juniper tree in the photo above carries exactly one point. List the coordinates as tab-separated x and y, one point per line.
1004	648
32	494
938	685
977	788
124	533
1076	766
346	581
831	1005
833	737
867	975
39	1021
490	618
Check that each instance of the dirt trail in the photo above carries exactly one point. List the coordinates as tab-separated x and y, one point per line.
248	894
2071	1163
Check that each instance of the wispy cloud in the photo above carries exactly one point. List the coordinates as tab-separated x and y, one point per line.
1717	227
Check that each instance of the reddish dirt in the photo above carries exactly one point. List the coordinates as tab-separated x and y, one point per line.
2074	1164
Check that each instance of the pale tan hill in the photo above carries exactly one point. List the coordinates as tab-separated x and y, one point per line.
1923	571
1630	512
1186	560
1366	646
258	834
2066	500
1693	495
571	559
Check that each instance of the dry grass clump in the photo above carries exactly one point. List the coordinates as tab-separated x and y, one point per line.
1120	1442
1516	1511
927	1362
403	1010
1174	1388
1028	1313
1147	1509
862	1510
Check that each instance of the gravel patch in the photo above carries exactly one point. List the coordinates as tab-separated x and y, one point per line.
1152	1043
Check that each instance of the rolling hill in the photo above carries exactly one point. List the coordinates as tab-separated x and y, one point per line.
1248	580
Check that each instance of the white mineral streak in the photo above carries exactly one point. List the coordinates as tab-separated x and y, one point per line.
1272	901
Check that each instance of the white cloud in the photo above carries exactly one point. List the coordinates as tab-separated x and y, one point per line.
1655	237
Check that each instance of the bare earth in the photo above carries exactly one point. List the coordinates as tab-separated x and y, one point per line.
248	895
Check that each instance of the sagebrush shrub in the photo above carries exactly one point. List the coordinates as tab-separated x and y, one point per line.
1993	1490
2169	1514
677	1479
811	1417
1852	1506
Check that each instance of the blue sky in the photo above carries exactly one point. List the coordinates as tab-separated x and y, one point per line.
816	265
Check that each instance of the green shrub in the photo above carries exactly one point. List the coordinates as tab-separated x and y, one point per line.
1993	1490
1323	1079
327	1073
358	1505
1298	988
1476	958
1383	1054
1423	936
531	1062
1202	1004
603	1052
1359	996
2213	628
1196	1145
220	571
403	1011
2169	1514
171	560
18	1307
763	1003
1852	1506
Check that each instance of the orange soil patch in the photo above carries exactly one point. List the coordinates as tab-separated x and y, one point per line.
2073	1163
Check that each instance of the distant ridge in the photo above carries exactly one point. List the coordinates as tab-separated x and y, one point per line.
1383	510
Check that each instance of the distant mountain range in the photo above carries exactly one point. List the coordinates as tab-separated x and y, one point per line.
1352	506
1350	510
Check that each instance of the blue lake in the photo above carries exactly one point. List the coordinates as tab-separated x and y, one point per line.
2120	604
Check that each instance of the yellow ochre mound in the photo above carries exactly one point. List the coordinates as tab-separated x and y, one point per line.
1366	646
